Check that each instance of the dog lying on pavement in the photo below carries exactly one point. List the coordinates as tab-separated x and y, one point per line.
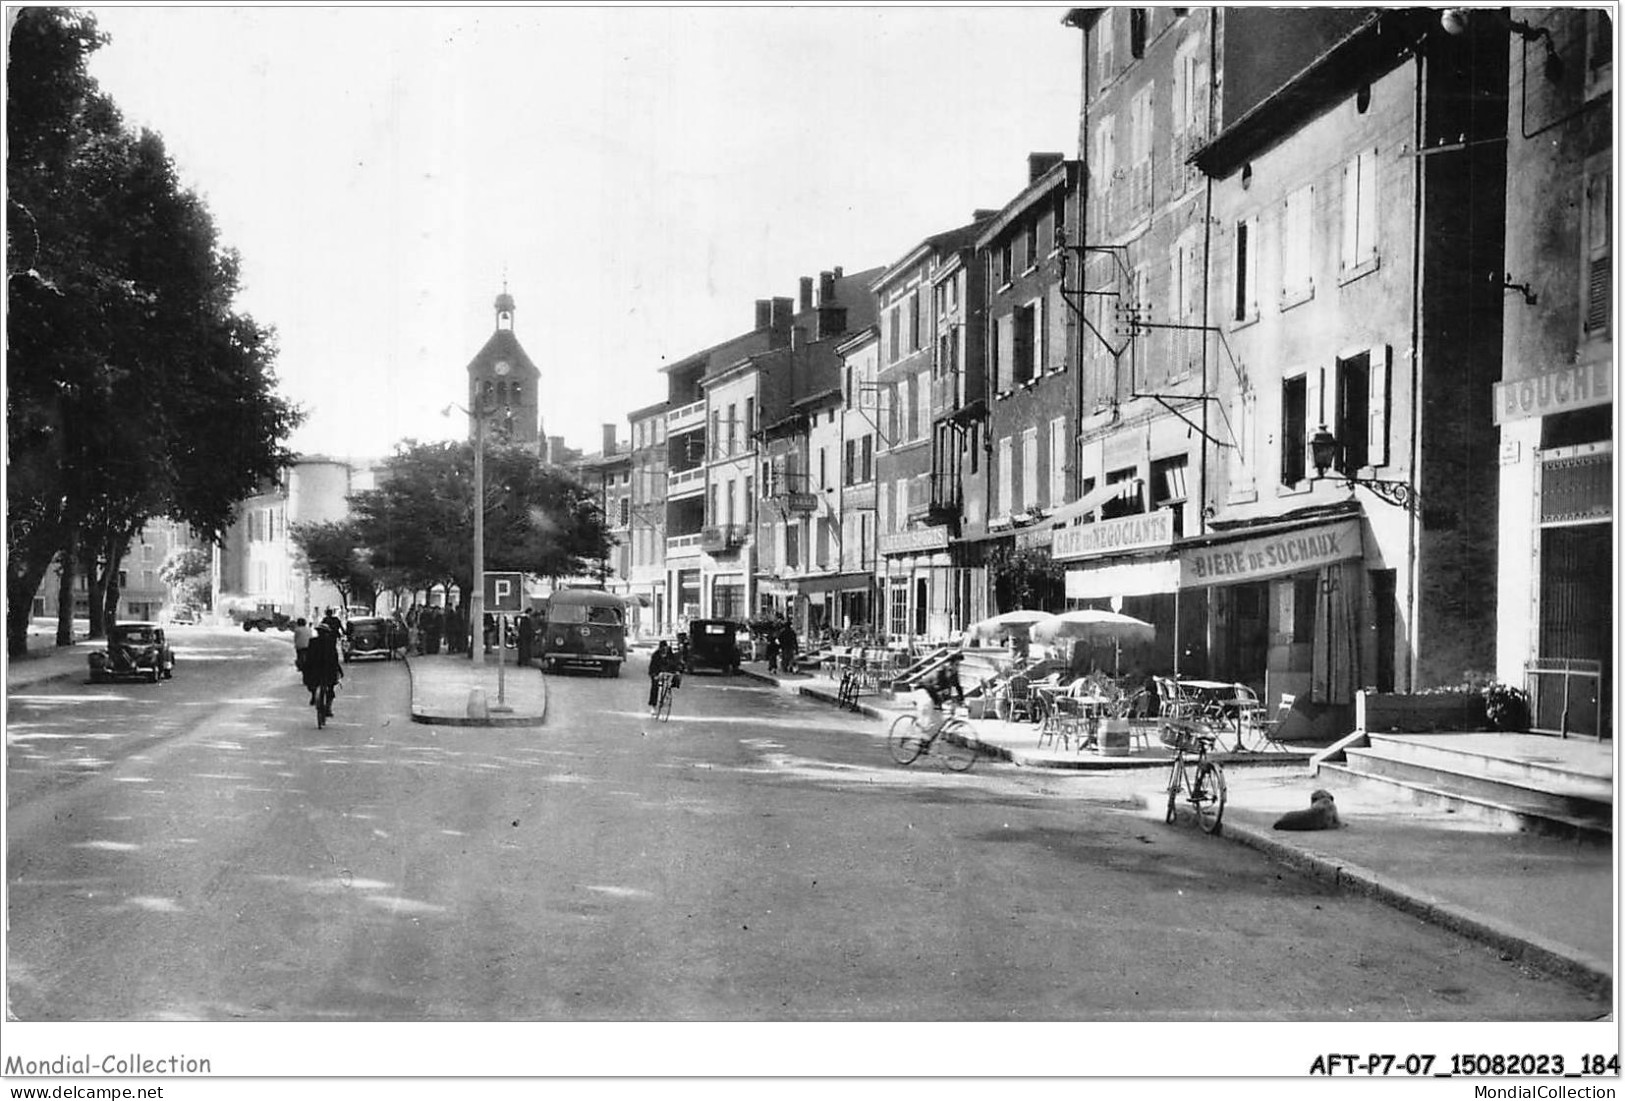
1321	815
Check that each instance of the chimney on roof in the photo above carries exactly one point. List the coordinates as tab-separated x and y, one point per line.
783	310
609	440
1040	163
826	288
837	271
981	214
764	314
798	338
806	292
831	322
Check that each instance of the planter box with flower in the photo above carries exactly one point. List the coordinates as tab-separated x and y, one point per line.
1476	704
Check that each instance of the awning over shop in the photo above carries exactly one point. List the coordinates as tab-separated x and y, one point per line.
1230	558
1256	557
1091	502
833	583
1136	578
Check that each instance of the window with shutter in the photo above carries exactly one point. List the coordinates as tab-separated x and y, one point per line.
1294	429
1002	506
1245	303
1243	415
1353	421
1029	468
1359	252
1597	284
1379	406
1022	357
1297	247
1057	461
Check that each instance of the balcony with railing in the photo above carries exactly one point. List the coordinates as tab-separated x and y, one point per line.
934	498
686	417
722	538
685	483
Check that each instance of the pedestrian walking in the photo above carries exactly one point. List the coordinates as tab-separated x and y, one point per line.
787	647
527	637
302	633
773	650
323	671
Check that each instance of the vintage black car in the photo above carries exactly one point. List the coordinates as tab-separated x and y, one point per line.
714	644
372	637
134	651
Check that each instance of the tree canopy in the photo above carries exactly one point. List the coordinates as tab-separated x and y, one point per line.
332	550
417	527
134	390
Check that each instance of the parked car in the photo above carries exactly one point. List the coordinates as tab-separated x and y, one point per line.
714	644
134	651
184	614
370	636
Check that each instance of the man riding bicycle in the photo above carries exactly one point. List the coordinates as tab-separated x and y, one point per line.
937	685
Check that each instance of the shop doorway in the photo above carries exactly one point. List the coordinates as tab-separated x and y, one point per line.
1569	679
1241	633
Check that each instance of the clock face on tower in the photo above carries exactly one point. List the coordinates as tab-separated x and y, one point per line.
502	368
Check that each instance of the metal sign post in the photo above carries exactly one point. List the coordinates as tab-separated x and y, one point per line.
504	593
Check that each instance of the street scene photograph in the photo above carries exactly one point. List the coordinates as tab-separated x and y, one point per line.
882	542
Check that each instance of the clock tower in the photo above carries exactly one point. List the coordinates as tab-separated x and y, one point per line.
503	384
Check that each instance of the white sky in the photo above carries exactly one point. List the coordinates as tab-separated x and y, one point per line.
642	175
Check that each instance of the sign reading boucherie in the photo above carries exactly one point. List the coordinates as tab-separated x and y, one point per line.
1126	533
1269	555
1575	387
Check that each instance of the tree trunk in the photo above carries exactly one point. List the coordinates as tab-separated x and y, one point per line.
96	576
118	546
67	561
25	581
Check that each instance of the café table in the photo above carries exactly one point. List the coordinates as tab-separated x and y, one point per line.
1215	698
1086	711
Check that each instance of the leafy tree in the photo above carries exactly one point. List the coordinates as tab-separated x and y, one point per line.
1027	578
332	551
133	389
186	571
418	526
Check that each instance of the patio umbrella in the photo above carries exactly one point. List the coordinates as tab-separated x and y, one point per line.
1092	625
1006	623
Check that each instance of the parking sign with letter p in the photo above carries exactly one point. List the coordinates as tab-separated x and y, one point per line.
504	592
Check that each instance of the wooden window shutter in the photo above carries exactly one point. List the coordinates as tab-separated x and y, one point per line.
1380	370
1351	216
1313	415
1598	283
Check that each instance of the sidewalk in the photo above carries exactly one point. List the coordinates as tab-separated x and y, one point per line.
451	690
1546	901
48	662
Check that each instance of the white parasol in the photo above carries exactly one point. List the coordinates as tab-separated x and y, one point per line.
1093	625
1016	622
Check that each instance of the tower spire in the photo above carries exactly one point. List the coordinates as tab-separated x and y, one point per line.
504	306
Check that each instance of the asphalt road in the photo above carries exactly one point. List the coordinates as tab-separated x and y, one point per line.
197	850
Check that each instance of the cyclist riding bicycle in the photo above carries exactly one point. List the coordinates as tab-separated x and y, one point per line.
937	685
